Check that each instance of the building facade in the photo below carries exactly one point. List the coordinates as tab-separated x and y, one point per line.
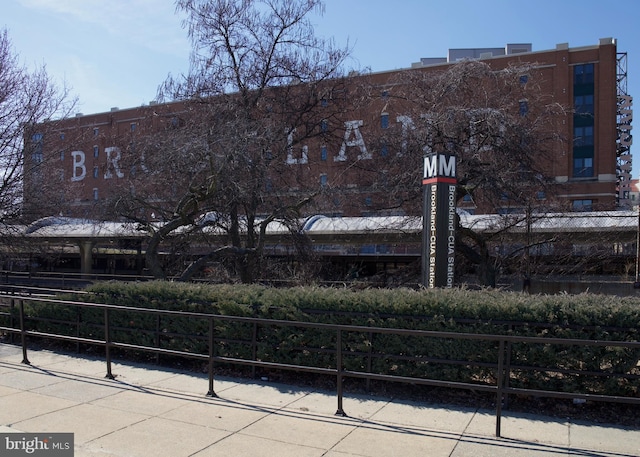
79	162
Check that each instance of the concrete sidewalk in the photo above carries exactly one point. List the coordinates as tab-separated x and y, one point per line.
147	411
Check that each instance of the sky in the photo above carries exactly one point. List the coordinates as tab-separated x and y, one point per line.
116	53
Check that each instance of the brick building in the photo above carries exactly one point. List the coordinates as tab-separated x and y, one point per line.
80	161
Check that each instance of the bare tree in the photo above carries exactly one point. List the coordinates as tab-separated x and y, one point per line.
27	98
231	158
498	123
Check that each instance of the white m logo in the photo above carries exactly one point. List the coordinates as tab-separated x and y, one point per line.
439	165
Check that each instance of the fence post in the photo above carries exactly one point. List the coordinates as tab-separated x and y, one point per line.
157	338
23	335
340	411
78	323
107	343
211	392
369	361
500	385
254	348
12	320
507	371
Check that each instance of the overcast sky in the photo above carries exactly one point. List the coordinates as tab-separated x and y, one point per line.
115	53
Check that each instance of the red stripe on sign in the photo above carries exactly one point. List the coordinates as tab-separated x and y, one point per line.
438	180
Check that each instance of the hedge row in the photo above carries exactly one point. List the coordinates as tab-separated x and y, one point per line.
458	310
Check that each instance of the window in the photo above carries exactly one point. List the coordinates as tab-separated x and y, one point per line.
323	153
583	104
524	107
583	136
583	167
368	201
324	102
384	150
541	195
61	155
323	180
384	120
324	125
36	153
96	151
524	79
583	74
95	172
62	136
582	205
95	193
133	126
96	131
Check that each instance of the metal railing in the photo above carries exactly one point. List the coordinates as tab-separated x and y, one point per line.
502	365
64	278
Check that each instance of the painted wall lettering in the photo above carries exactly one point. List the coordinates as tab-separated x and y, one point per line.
113	162
79	168
406	124
304	158
352	138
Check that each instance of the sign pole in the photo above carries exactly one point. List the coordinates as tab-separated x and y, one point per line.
439	221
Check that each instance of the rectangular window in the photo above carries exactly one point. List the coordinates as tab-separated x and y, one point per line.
323	180
96	131
384	120
583	167
61	155
323	153
62	136
96	151
583	104
583	136
37	142
324	125
384	150
582	205
524	79
95	172
524	107
133	126
583	74
95	193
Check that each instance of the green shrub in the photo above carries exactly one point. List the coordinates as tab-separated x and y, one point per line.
488	312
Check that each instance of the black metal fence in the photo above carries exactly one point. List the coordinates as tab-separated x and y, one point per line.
12	313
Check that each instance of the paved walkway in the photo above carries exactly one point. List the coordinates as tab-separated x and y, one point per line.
147	412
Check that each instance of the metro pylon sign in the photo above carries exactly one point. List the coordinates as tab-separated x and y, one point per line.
439	220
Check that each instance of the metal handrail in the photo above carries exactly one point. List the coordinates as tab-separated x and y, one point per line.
503	364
